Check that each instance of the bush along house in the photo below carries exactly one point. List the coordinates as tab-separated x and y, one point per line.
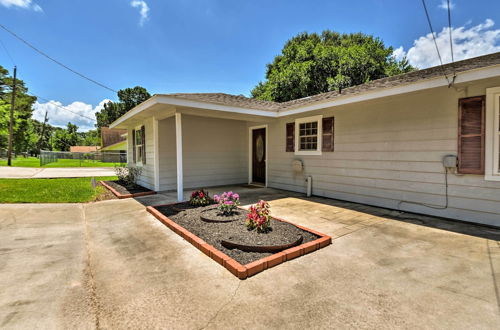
413	142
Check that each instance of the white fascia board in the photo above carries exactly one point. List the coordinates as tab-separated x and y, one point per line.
135	110
426	84
212	106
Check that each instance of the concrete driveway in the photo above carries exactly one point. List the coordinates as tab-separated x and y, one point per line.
53	172
112	265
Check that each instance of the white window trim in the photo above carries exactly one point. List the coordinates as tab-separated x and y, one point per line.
138	129
492	142
298	121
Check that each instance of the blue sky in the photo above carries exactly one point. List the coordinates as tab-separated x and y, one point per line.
207	45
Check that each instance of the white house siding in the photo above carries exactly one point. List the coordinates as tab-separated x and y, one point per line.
215	152
147	175
390	150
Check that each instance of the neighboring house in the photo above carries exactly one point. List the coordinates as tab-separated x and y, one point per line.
84	148
113	139
381	143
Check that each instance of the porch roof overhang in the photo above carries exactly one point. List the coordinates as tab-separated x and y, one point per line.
164	105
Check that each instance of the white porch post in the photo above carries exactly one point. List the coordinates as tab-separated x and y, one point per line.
156	163
178	140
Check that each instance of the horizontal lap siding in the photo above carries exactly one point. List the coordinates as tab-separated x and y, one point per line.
147	175
215	152
390	150
146	178
167	157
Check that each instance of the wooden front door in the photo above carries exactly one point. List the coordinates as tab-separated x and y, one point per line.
259	155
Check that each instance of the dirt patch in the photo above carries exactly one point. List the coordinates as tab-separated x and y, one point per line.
214	233
104	195
125	188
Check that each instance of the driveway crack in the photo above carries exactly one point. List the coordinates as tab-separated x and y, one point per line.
222	307
89	273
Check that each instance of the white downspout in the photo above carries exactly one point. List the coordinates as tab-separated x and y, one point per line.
309	185
178	141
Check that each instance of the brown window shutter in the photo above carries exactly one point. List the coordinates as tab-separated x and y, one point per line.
290	137
133	146
143	133
471	132
328	133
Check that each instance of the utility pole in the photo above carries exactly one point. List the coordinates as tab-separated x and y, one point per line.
42	136
11	121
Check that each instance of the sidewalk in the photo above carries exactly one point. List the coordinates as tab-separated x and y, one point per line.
54	172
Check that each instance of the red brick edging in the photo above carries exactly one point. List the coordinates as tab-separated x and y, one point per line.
121	196
237	269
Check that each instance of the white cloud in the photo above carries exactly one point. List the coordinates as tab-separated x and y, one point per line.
143	10
444	5
470	42
25	4
60	117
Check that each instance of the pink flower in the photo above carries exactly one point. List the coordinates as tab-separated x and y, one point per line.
236	196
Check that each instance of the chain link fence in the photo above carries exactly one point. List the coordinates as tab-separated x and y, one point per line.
82	159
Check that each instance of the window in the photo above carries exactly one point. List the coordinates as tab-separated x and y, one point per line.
308	132
471	135
308	136
139	145
492	152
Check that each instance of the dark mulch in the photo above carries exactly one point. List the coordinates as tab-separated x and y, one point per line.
124	188
183	206
213	233
214	215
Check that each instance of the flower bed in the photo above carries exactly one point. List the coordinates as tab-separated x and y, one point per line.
209	237
126	190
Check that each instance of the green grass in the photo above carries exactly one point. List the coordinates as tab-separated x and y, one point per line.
35	162
72	190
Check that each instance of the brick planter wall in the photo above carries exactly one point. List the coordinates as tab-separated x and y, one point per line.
122	196
237	269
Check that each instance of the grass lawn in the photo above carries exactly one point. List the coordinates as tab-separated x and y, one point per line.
35	162
71	190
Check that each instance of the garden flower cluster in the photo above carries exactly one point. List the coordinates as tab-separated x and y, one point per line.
227	202
200	198
259	217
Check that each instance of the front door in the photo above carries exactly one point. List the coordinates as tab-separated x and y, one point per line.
259	155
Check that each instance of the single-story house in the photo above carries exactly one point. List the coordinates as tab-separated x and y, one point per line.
426	141
113	139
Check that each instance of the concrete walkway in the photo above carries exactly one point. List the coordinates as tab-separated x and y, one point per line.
54	172
112	265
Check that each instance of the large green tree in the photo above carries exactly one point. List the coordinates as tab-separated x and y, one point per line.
63	139
312	63
22	112
127	99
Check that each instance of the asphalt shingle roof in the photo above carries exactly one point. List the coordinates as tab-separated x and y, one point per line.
394	81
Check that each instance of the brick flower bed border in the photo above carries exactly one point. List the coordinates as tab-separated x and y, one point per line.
122	196
237	269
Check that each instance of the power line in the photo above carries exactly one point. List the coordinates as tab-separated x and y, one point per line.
449	28
435	42
56	61
451	43
7	52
